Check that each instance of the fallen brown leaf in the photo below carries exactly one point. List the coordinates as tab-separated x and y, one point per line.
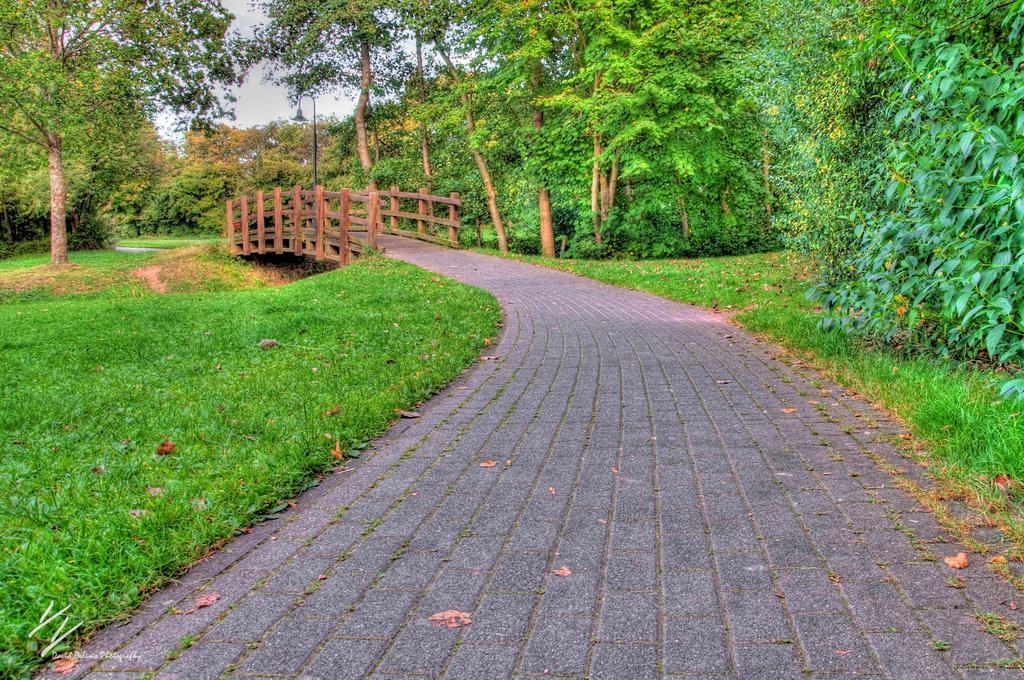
958	561
154	491
166	447
998	559
552	490
336	451
203	601
1002	481
408	414
789	410
842	652
66	665
487	342
332	411
488	463
451	618
562	571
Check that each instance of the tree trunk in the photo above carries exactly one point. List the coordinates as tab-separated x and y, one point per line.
547	231
613	183
478	157
362	148
58	201
765	162
8	224
424	132
685	218
725	200
376	147
595	198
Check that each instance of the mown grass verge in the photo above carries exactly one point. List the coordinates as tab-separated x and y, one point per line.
964	431
167	241
91	384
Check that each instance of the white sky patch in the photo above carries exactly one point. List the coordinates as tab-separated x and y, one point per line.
257	101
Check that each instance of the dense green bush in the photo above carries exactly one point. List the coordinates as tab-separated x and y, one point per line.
191	202
940	262
898	132
14	249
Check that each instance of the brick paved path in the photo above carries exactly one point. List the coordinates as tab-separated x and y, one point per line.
708	531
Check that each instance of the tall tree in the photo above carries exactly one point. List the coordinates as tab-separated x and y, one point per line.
81	71
325	46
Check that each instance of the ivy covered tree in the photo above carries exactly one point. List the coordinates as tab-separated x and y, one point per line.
79	73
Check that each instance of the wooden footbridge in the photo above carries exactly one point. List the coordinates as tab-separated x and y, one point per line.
334	225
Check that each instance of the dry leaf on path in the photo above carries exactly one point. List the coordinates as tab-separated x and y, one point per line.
66	665
203	601
408	414
488	463
562	571
552	490
998	559
959	561
166	447
789	410
451	618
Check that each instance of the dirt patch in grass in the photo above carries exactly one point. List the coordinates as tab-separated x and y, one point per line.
151	276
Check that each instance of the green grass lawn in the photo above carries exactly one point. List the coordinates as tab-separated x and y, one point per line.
94	378
971	433
166	241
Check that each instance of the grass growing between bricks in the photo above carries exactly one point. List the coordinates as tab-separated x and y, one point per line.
970	435
94	379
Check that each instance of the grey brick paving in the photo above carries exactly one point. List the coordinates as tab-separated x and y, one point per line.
709	533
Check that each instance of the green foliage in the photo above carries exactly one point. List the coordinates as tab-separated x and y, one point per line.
938	262
809	78
191	202
898	137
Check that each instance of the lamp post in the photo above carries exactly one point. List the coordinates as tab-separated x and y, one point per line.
299	118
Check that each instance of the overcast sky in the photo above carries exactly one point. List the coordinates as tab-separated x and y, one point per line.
260	102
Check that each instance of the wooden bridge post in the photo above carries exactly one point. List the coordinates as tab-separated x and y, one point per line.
231	227
297	219
318	211
372	213
261	223
278	222
246	242
453	215
394	207
346	205
421	225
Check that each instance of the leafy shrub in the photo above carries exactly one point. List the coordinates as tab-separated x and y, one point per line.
8	249
938	261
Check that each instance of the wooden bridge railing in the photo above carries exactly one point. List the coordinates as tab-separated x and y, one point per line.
334	225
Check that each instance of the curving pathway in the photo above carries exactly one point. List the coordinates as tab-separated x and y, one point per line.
716	509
